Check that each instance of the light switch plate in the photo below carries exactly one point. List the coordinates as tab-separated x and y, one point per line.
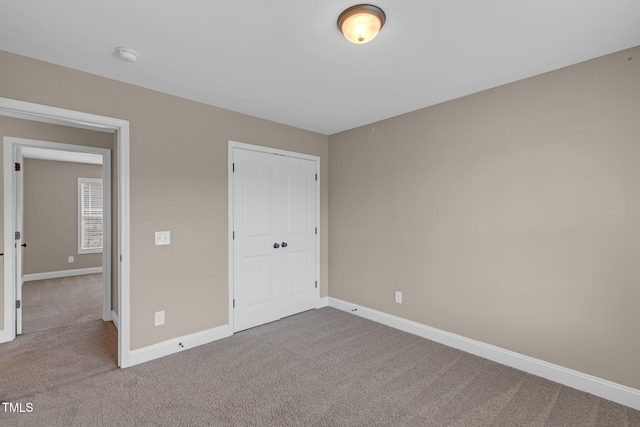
163	238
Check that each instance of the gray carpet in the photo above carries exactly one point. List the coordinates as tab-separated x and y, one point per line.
319	368
53	303
64	338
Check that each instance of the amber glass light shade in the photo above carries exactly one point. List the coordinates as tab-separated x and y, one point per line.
361	23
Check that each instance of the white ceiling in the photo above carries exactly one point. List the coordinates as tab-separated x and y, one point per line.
286	61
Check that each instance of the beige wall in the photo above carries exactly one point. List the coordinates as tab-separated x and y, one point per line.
509	216
51	215
506	216
45	132
178	183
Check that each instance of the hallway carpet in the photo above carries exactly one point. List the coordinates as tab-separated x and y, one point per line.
64	338
54	303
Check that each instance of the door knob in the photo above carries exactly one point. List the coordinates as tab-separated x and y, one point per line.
276	246
284	244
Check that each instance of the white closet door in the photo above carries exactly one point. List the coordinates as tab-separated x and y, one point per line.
256	298
298	254
274	246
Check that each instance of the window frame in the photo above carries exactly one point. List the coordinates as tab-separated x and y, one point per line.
81	250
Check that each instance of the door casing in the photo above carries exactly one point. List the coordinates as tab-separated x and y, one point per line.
262	149
14	146
17	185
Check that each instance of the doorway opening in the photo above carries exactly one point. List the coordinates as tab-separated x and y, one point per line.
118	127
49	214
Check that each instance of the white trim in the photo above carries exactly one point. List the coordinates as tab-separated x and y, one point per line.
61	273
124	221
60	116
230	177
9	331
319	232
177	345
230	217
597	386
107	236
265	149
4	337
323	302
11	144
115	319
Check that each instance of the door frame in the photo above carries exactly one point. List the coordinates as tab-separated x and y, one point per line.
11	144
262	149
47	114
17	219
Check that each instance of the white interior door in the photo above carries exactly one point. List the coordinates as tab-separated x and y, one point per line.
297	253
254	237
19	235
274	245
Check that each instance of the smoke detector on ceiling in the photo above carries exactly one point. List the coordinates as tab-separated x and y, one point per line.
127	54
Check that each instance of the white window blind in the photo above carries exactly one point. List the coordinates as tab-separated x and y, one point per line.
90	222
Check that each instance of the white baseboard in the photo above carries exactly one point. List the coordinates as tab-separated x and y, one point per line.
115	319
3	337
62	273
597	386
177	345
323	302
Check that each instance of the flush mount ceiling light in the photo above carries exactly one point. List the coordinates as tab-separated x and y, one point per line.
127	54
361	23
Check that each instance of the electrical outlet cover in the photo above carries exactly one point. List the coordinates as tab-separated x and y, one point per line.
163	238
159	319
399	297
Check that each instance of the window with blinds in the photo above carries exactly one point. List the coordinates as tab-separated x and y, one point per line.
90	214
